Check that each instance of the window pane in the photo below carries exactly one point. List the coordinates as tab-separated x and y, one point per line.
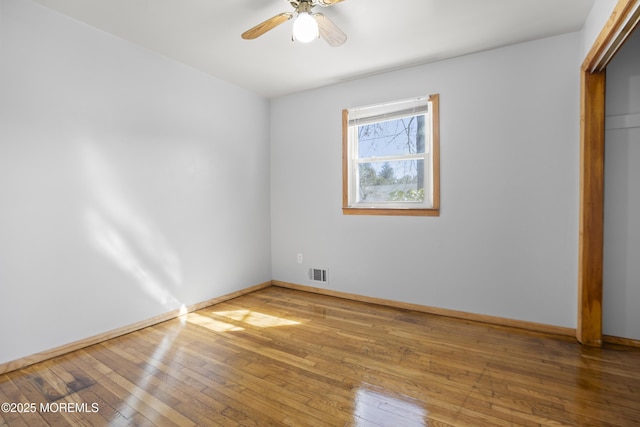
391	181
392	137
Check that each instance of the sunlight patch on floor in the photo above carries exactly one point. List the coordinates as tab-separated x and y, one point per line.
142	394
255	318
212	324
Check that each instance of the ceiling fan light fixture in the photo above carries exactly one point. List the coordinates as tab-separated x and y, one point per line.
306	25
305	28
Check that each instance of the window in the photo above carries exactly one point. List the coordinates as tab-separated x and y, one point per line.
391	158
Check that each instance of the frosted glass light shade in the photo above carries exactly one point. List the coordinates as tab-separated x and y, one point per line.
305	28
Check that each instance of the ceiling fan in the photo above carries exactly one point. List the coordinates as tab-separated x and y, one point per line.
307	25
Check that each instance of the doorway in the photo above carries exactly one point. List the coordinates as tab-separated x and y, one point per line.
623	21
621	270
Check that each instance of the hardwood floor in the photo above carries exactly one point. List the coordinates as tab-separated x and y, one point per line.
285	357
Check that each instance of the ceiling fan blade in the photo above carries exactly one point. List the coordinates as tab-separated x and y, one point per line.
330	31
267	25
328	2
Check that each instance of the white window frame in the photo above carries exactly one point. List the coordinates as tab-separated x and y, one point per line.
352	118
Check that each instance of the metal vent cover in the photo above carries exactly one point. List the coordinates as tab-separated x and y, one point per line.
318	275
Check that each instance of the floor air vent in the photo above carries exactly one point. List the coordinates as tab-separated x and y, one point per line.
318	275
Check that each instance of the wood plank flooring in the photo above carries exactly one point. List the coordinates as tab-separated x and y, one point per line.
284	357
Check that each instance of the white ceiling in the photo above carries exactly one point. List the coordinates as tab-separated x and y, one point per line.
382	34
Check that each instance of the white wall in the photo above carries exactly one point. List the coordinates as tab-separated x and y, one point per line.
129	184
621	281
598	17
506	241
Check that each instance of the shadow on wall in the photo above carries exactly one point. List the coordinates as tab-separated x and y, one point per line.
125	237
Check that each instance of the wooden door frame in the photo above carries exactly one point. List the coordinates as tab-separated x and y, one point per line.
620	25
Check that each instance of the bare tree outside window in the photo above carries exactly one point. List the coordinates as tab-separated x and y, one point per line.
383	179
